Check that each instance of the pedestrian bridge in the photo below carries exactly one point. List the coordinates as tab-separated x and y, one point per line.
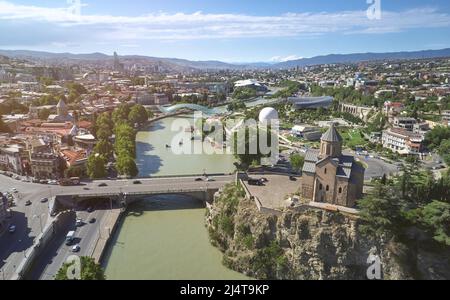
195	107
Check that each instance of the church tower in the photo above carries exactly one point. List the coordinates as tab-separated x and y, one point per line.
61	108
331	143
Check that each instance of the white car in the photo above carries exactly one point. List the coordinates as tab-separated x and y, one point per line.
79	222
76	248
14	190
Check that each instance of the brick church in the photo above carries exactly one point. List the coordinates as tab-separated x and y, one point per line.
329	176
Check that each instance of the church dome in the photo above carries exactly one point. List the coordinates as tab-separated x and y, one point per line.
268	114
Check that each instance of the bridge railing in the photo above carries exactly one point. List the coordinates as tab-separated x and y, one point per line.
156	192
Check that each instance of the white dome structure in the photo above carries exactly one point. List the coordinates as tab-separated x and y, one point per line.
268	114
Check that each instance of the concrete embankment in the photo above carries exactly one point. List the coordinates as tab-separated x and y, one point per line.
107	229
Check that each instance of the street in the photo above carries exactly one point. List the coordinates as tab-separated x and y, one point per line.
31	220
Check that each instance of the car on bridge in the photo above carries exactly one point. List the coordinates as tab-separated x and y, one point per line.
102	184
137	182
198	179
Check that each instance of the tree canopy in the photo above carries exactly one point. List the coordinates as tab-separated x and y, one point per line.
89	270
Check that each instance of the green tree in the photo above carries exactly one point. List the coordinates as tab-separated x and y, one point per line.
89	270
434	137
297	162
126	165
269	260
96	166
120	114
436	217
380	212
138	114
125	140
444	150
104	148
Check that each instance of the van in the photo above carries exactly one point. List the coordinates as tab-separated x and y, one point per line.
70	237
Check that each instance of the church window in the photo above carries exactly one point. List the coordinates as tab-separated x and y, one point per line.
320	186
340	190
325	171
328	188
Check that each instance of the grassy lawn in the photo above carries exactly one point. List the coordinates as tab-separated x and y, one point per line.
353	138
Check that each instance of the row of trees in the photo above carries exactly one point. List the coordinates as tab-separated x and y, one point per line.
414	199
347	94
121	123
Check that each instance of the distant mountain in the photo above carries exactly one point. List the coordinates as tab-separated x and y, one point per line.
360	57
184	64
69	57
27	54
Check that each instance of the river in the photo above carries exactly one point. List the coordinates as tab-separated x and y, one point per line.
165	237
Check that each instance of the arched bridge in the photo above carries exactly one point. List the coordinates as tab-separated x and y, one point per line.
195	107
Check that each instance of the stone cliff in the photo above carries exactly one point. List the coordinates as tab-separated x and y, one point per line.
311	244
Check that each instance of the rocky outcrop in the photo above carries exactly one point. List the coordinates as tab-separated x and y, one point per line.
311	244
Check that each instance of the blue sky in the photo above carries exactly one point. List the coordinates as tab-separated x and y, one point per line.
227	30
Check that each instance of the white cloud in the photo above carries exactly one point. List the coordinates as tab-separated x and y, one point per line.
285	58
199	25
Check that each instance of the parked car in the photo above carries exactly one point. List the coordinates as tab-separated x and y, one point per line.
12	229
292	178
137	182
78	223
76	248
43	200
28	203
198	179
92	220
255	182
90	209
102	184
14	190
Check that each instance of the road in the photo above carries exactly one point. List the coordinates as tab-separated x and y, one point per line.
376	168
57	252
30	220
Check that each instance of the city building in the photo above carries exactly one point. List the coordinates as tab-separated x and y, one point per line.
392	109
45	165
446	117
328	176
62	114
146	98
402	141
307	132
10	159
405	123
